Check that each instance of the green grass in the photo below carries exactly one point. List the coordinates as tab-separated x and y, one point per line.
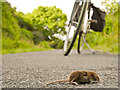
104	43
23	50
26	47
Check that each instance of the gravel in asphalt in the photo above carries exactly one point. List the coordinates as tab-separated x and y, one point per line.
35	69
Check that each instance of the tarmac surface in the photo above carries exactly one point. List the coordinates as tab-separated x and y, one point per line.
35	69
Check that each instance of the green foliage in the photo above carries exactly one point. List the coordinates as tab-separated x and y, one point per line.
28	32
111	17
111	7
10	26
0	27
38	37
57	43
49	20
44	44
17	35
27	35
111	24
106	43
23	21
107	40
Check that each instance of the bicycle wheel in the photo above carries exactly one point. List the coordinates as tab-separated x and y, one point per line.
69	42
83	32
81	41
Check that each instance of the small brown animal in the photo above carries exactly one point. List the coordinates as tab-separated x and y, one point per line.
78	77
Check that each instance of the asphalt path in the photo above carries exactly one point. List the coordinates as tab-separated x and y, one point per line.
35	69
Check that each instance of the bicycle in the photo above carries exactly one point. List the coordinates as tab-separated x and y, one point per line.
82	24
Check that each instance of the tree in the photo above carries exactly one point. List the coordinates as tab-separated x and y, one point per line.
49	20
111	16
111	6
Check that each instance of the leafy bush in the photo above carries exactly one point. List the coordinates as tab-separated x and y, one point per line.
16	39
26	34
44	44
49	20
57	43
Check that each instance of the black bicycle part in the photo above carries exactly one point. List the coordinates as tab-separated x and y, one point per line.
81	32
79	41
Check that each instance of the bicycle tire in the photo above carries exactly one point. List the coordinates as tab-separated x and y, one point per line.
79	41
77	29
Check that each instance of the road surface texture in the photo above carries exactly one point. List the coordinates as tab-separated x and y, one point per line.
35	69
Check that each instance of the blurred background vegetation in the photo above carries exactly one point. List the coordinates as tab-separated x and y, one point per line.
32	31
107	41
37	31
